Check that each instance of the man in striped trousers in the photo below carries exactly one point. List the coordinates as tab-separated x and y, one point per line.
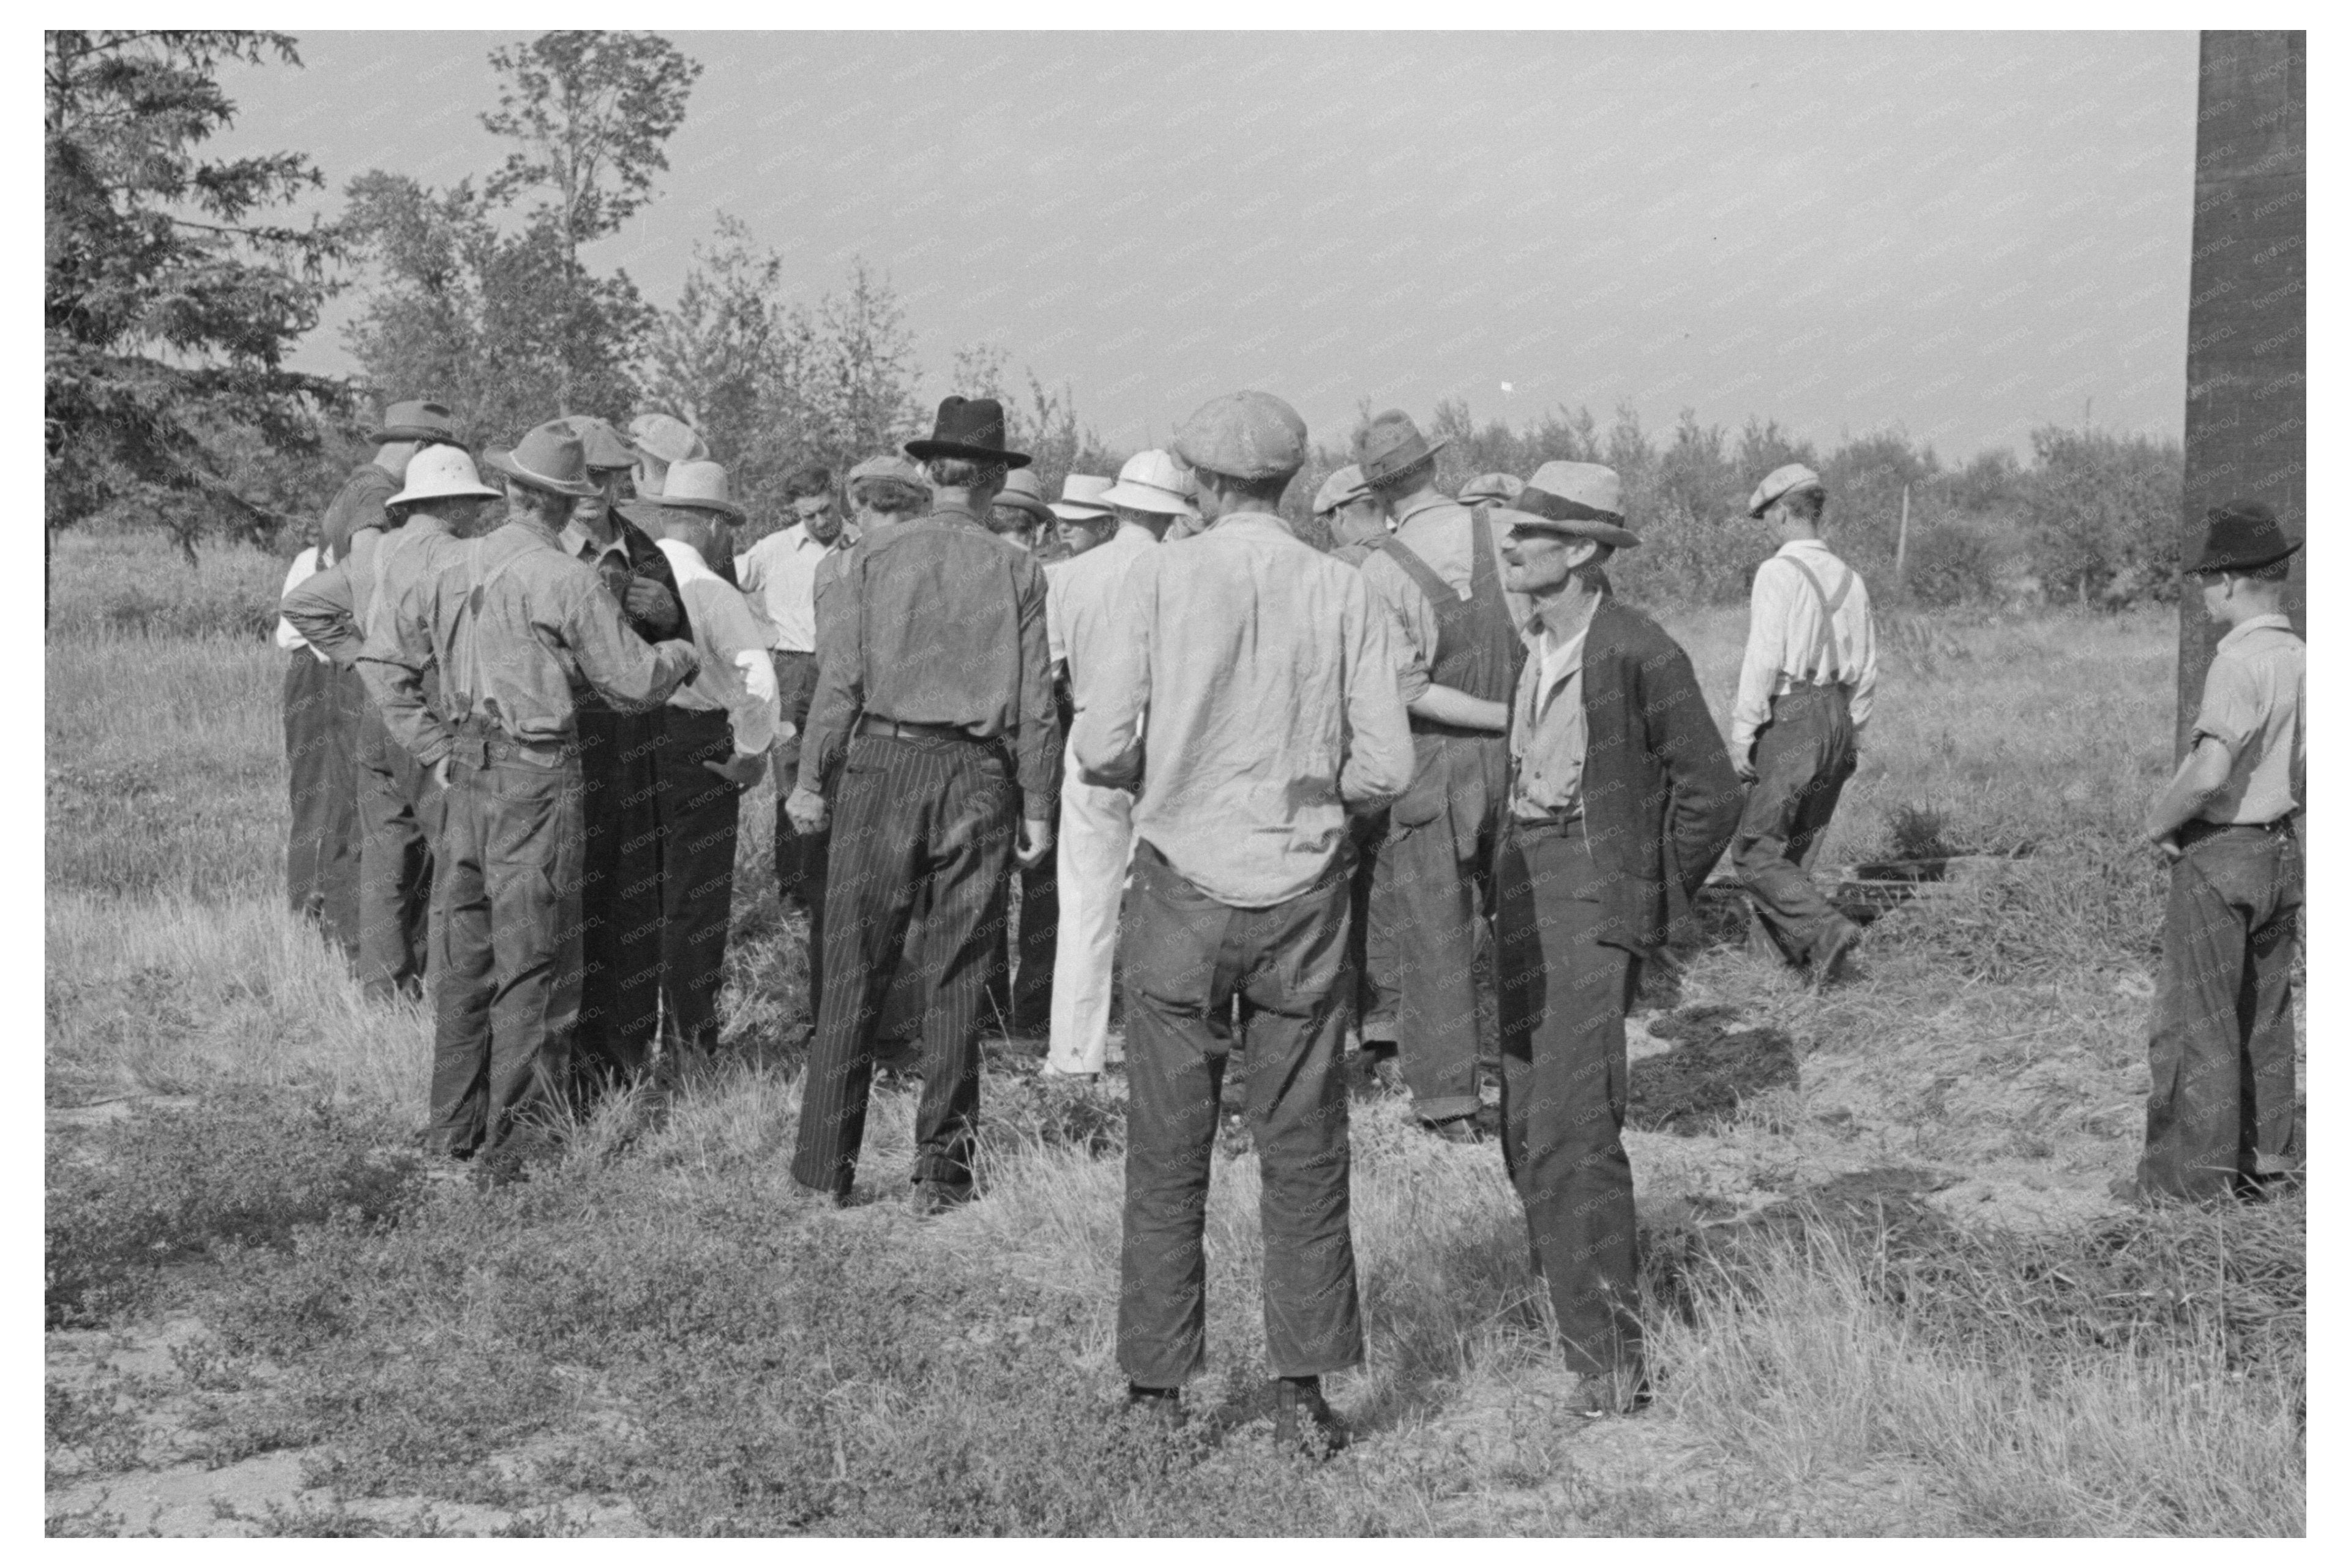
936	688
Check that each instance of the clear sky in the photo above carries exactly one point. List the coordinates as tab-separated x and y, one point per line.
1961	234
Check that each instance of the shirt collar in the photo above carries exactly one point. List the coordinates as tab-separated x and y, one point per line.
574	538
1794	547
2238	633
1133	534
955	512
1242	522
1426	504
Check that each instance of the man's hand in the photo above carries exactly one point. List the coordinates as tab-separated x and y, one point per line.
1036	839
650	602
441	773
742	769
1744	766
806	810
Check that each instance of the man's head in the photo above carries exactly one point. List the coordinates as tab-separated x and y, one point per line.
443	480
1082	520
1349	508
2245	563
408	428
662	439
1153	491
546	473
608	458
1562	529
809	492
697	508
887	490
1791	499
1020	511
976	483
1244	448
964	451
1398	462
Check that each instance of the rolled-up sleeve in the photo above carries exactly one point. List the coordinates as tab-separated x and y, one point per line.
319	608
1378	765
2231	708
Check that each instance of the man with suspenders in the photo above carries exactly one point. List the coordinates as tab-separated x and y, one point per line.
1803	696
1438	580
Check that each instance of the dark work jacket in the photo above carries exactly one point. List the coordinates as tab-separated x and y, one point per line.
358	505
1660	798
645	559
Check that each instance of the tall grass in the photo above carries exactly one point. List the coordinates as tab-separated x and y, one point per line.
655	1315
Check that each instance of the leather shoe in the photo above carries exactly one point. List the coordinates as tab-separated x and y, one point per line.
1303	1421
1830	967
929	1200
1159	1407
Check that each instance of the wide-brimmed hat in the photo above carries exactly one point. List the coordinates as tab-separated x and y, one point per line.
1391	443
668	439
1345	486
1577	501
416	420
1082	498
550	458
1250	435
971	428
1152	481
607	449
441	473
1784	480
2242	536
1023	491
700	487
1488	488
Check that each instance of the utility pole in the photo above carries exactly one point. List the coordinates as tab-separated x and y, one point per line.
2247	429
1902	549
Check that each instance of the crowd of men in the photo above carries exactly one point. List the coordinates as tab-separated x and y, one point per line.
1285	793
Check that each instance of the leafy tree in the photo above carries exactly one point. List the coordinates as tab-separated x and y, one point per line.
168	305
2103	513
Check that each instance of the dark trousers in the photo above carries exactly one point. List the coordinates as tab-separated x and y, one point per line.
621	935
1186	958
1428	900
1803	759
322	704
2221	1053
799	857
698	810
1371	988
1563	995
1023	996
506	925
934	815
400	809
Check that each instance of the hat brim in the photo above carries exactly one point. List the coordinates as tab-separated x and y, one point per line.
413	432
726	509
1383	468
2252	564
1148	498
407	498
578	490
1566	528
1028	504
924	451
1757	509
1080	512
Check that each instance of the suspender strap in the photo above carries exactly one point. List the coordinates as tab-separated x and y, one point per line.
1824	654
1440	592
469	618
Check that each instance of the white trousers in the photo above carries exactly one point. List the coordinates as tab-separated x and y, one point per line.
1097	835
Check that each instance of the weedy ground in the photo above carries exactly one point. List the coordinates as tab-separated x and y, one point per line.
1887	1292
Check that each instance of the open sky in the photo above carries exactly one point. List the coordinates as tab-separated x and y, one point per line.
1960	234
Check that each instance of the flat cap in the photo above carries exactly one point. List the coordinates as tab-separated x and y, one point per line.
1778	482
669	439
890	465
1489	487
1343	487
1245	434
606	448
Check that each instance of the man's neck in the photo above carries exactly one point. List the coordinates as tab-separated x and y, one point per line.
1791	535
2241	612
1567	611
1154	525
1400	505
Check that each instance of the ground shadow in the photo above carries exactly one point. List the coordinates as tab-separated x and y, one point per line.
1697	1086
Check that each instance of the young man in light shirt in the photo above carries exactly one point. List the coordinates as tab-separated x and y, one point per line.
1805	691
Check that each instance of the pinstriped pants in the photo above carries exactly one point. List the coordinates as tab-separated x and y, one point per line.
911	817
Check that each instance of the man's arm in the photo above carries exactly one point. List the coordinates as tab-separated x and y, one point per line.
392	666
1037	748
1379	762
1704	802
840	676
1865	658
1450	704
2202	774
319	607
1759	671
625	671
1106	741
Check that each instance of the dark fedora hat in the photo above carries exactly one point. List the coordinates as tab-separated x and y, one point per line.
2242	535
416	420
971	428
1391	443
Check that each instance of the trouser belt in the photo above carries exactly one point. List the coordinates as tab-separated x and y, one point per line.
479	743
2198	832
897	729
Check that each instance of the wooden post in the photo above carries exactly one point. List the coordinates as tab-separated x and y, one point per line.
2246	430
1902	549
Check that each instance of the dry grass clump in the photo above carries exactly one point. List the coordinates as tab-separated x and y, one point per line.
124	585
